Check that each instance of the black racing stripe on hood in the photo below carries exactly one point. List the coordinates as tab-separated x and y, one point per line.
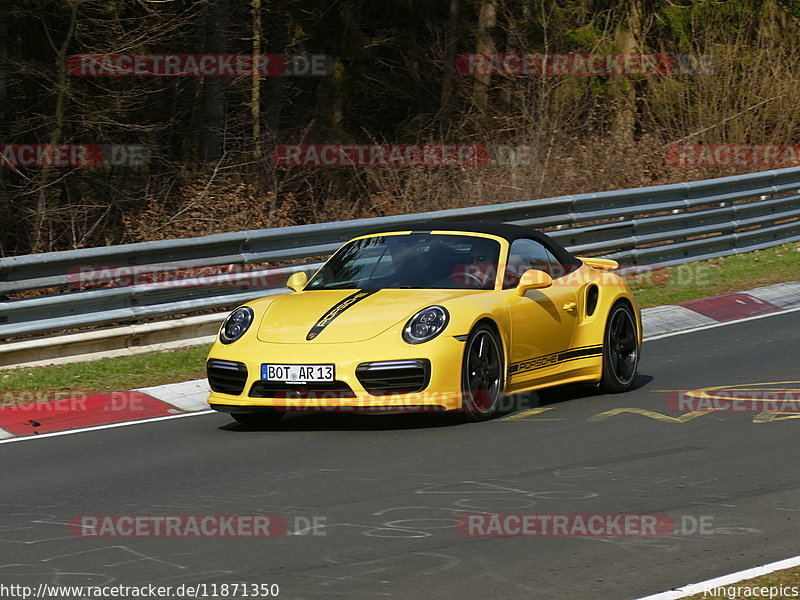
336	310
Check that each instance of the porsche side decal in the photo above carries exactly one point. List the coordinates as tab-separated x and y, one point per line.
549	360
336	310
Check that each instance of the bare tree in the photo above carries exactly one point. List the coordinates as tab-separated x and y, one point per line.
212	124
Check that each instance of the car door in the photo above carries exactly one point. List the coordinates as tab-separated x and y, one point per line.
543	320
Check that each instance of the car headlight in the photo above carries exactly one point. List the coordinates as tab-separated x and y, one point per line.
426	324
236	324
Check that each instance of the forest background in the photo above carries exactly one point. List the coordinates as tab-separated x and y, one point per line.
208	164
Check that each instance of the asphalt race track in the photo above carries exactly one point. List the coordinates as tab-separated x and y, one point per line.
386	490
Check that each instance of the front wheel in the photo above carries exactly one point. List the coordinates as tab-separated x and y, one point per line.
483	374
620	350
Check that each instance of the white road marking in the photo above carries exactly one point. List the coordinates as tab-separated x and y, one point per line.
97	427
722	324
705	586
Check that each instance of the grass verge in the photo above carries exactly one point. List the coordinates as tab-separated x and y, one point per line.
717	276
99	376
663	286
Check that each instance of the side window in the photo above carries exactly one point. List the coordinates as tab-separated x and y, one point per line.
528	254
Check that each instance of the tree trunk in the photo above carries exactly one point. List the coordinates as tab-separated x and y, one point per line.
255	92
4	201
38	244
3	68
212	123
486	22
277	40
451	48
622	93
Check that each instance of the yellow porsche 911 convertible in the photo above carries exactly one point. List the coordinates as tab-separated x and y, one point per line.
441	317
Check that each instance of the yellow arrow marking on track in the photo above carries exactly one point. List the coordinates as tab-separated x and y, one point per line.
529	413
650	414
769	416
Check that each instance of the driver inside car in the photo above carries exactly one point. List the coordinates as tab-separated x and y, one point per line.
479	270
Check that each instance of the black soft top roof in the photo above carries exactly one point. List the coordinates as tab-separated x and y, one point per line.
503	230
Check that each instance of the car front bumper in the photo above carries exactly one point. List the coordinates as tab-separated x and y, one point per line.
239	366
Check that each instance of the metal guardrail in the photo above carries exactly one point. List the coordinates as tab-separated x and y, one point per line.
664	225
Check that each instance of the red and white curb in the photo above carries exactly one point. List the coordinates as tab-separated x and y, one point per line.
41	418
714	311
187	398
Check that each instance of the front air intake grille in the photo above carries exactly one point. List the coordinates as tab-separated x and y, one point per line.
394	376
313	390
226	377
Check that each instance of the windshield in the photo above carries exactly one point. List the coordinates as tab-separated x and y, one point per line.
416	260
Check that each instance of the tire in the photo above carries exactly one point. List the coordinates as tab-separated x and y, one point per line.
620	350
258	419
482	375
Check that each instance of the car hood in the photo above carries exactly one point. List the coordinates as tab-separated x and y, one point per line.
339	316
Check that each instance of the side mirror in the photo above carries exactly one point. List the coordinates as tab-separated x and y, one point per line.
533	279
297	281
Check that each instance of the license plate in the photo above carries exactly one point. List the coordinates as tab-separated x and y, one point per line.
297	373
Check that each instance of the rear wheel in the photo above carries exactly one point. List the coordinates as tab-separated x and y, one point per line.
258	419
483	374
620	350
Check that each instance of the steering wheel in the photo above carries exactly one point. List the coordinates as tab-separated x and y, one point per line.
480	282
